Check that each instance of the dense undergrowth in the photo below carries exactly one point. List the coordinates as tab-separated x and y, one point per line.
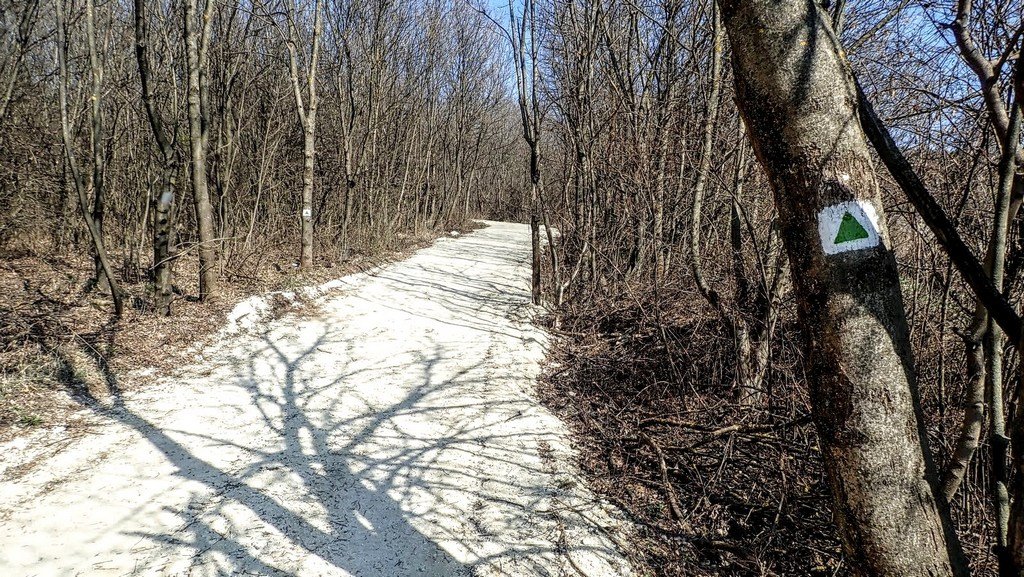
715	487
648	388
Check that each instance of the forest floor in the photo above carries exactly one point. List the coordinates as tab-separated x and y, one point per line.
390	427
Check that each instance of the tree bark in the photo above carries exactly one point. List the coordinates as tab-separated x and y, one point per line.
998	441
1009	560
977	339
797	96
196	43
704	166
164	196
1016	520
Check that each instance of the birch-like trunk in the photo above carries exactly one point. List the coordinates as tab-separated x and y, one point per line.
306	105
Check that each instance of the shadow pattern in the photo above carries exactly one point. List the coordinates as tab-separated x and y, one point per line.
394	434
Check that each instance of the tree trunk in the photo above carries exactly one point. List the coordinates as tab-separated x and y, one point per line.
309	150
163	198
307	120
797	96
1016	520
703	168
975	343
163	242
998	441
535	245
523	35
556	274
748	371
99	199
79	182
196	42
99	168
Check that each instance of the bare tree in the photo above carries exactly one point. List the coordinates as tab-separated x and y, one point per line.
303	71
96	117
197	41
981	346
163	197
523	31
19	36
796	92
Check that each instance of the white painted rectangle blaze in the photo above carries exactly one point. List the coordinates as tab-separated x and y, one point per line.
847	226
307	213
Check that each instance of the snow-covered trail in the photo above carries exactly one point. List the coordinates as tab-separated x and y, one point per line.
394	433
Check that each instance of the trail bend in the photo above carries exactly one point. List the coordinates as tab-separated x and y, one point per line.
393	432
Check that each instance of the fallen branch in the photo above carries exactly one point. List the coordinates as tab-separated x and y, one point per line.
670	492
734	428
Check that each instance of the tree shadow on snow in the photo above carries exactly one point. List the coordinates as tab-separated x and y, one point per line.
352	468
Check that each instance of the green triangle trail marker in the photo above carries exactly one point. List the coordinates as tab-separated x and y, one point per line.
850	229
848	226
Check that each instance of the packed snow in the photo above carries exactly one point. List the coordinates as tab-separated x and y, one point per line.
393	432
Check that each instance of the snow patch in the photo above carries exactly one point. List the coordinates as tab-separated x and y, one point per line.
257	310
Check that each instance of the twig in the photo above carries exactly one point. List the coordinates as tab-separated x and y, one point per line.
673	499
180	253
734	428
